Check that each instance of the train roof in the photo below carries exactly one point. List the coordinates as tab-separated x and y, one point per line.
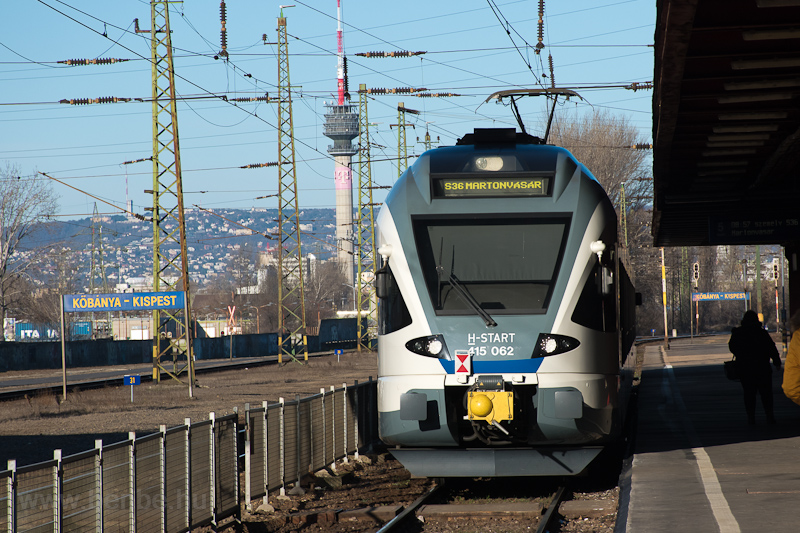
497	136
496	149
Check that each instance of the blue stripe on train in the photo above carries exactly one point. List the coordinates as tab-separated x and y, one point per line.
516	366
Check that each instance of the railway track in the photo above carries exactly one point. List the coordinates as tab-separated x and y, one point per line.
422	516
31	383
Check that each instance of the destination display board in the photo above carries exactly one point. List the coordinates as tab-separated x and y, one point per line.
489	186
753	229
719	296
136	301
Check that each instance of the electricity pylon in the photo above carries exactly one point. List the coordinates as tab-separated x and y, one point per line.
366	231
402	147
291	292
171	328
97	273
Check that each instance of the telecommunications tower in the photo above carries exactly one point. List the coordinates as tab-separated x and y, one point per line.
341	125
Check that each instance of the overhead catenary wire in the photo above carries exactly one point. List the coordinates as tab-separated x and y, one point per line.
447	127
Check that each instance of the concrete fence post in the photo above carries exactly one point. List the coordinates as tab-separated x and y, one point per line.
282	443
12	495
356	392
247	468
297	450
162	474
333	427
324	428
132	481
266	453
212	501
57	488
187	422
344	422
98	483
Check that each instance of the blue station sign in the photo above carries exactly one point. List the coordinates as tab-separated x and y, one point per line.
136	301
719	296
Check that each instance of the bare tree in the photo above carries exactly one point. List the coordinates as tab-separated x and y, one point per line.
24	203
603	142
57	272
325	287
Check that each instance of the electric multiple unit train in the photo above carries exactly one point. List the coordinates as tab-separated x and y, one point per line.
505	314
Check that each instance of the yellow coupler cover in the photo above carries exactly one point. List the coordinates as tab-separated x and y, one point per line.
490	405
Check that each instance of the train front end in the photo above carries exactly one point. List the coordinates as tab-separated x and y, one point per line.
500	338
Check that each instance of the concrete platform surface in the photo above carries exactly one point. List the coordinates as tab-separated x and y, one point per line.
698	466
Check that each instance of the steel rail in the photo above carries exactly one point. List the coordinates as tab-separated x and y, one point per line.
410	510
546	520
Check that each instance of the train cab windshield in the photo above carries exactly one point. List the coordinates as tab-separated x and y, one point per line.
504	264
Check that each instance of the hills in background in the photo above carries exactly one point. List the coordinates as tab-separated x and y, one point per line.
213	240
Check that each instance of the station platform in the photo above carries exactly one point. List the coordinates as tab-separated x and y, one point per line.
697	465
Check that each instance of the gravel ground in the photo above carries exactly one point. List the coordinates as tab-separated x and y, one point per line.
380	481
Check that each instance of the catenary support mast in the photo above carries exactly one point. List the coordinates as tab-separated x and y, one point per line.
291	293
171	329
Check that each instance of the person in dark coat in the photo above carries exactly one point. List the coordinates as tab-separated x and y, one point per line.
753	348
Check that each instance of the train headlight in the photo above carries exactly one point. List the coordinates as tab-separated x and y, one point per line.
550	344
430	346
490	163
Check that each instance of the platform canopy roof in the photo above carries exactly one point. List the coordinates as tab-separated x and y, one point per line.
726	122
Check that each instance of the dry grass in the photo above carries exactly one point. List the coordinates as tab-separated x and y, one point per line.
109	412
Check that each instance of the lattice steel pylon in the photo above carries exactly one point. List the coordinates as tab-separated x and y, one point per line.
171	328
97	273
97	266
402	147
366	232
291	291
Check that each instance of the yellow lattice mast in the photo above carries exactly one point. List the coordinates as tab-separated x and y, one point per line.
171	328
366	304
291	293
402	147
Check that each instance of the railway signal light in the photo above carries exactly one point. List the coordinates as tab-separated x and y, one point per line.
696	271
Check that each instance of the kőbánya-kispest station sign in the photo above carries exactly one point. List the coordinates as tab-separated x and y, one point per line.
135	301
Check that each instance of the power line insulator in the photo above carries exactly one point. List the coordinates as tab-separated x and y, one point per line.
261	165
400	53
264	98
100	100
437	95
96	61
635	86
223	34
540	31
642	146
138	160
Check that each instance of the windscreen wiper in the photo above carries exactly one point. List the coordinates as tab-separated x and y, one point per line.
470	300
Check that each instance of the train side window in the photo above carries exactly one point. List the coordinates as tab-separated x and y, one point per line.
393	313
596	308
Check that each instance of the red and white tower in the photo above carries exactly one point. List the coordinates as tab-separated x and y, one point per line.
341	126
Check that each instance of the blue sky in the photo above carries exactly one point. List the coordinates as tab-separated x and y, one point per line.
473	48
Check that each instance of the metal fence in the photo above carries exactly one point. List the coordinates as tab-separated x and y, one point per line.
188	476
